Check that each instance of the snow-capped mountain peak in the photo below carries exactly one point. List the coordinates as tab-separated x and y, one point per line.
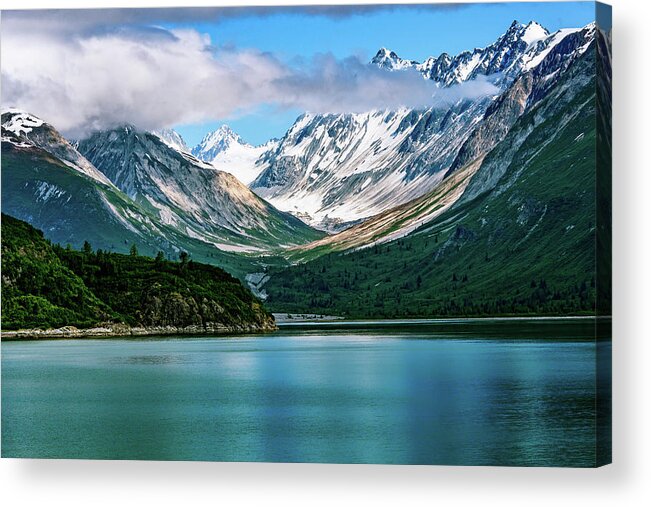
27	131
502	58
215	142
225	150
519	33
533	32
387	59
20	122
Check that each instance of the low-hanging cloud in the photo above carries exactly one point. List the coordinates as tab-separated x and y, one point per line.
155	78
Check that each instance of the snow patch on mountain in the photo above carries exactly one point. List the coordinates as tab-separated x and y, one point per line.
172	139
46	191
240	160
21	122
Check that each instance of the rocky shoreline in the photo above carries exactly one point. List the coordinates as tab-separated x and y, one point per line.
122	330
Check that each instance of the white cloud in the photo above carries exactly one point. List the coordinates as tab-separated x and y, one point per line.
155	78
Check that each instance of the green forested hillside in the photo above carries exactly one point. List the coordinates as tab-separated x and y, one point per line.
526	246
48	286
38	290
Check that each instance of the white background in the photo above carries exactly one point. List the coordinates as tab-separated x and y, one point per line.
626	482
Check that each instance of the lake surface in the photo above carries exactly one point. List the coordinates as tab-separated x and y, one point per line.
455	393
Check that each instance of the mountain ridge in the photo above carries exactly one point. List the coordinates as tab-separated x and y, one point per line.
523	242
502	56
337	170
189	194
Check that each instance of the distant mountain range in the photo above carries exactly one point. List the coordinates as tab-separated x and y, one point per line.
122	187
518	229
515	51
336	170
445	188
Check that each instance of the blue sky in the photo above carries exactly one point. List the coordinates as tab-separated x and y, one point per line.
411	31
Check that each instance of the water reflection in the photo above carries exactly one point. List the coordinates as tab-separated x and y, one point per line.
516	393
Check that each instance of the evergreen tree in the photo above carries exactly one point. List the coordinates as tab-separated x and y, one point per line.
183	257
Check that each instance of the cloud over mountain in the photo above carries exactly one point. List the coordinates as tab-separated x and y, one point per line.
155	78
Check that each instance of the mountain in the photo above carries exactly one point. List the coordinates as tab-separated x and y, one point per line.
71	201
555	65
337	170
389	60
471	175
506	58
520	238
216	142
46	286
226	151
189	195
23	129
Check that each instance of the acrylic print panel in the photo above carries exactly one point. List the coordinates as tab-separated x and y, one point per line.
308	234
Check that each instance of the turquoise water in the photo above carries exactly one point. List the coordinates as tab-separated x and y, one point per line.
502	393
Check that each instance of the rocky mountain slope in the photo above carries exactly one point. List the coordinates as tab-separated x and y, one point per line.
189	195
336	170
24	130
72	201
520	239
